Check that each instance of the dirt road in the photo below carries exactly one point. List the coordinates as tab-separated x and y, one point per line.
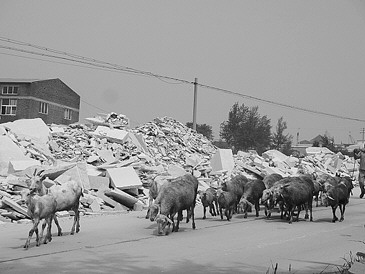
127	243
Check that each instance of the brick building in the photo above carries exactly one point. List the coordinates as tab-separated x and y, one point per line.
51	100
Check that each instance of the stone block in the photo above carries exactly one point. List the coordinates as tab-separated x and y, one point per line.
20	165
113	135
123	178
9	151
99	183
77	173
15	206
222	160
110	202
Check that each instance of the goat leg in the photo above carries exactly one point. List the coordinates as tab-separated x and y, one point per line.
48	237
77	214
31	231
204	212
342	209
334	219
193	218
43	227
58	225
75	222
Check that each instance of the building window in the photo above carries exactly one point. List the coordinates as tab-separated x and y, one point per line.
10	90
8	106
68	114
43	108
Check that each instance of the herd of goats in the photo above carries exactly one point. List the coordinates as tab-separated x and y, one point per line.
171	197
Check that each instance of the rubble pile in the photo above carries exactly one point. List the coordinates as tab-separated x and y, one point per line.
115	163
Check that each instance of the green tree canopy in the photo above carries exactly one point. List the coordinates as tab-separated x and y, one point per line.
246	129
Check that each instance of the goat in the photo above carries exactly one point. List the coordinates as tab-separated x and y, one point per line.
66	195
270	198
209	199
39	207
155	185
236	186
251	196
297	192
175	196
270	179
337	196
228	201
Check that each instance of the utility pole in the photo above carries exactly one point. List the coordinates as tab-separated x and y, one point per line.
195	102
363	133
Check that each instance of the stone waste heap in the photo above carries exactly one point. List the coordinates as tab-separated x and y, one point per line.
115	163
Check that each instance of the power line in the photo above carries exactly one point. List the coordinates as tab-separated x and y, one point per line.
94	63
280	104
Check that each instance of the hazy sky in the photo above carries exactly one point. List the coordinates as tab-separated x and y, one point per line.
306	54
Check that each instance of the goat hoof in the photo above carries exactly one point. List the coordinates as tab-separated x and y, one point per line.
204	218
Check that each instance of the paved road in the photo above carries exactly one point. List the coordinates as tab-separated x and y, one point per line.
127	243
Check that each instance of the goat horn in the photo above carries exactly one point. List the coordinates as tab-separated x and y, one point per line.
329	197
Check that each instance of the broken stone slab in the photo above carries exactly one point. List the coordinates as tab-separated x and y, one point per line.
63	213
34	129
176	171
99	182
77	173
16	181
123	178
95	206
15	206
106	155
222	160
9	151
121	197
20	165
138	206
273	153
113	135
193	160
108	201
13	215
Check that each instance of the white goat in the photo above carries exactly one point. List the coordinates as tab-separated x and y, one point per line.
67	197
39	207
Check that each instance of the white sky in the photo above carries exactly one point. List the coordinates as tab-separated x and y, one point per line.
308	54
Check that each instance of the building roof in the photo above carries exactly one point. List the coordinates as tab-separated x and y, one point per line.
19	80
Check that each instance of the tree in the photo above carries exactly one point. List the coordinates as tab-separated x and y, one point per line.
204	129
328	142
281	141
246	129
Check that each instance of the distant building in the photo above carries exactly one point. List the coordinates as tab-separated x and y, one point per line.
51	100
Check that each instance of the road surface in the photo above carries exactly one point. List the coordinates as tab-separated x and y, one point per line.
127	243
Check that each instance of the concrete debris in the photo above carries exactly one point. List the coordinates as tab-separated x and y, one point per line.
115	163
